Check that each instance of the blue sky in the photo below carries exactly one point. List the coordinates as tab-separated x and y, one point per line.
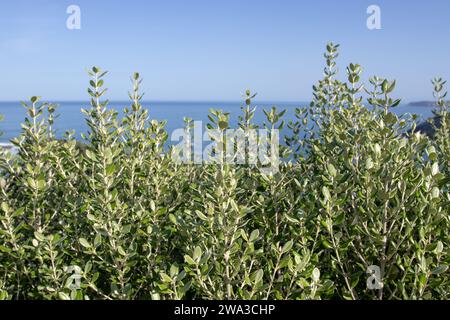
214	50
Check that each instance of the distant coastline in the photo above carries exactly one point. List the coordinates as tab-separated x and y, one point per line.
423	104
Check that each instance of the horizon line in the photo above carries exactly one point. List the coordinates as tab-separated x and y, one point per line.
162	101
192	101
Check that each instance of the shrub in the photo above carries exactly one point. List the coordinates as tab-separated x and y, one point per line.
115	217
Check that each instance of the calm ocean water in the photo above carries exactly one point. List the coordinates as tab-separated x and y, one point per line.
70	116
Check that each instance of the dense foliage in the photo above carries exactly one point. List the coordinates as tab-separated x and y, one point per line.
358	187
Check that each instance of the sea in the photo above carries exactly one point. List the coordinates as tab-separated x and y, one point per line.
70	116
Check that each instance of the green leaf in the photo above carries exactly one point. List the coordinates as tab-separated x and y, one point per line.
189	260
243	234
31	183
88	267
391	118
39	236
439	270
201	215
5	207
259	274
110	169
377	149
84	243
223	125
435	192
18	212
63	296
369	164
435	169
315	275
97	240
173	270
121	251
4	249
35	99
165	277
331	170
41	184
439	247
197	253
326	193
327	244
172	218
90	155
254	235
432	153
153	205
287	246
